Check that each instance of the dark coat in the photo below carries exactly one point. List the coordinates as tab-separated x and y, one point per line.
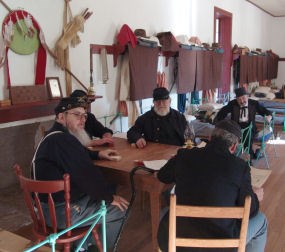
209	176
62	153
254	107
94	128
167	129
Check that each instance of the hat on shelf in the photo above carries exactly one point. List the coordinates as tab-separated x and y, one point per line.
240	92
68	103
167	41
229	126
160	93
183	39
141	35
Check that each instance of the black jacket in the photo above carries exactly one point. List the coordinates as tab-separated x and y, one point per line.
167	129
94	128
62	153
209	176
234	109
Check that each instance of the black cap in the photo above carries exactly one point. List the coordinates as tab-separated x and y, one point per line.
68	103
230	126
78	93
240	92
160	93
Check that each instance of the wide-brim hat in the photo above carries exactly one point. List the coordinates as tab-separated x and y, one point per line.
183	39
151	39
68	103
168	41
140	33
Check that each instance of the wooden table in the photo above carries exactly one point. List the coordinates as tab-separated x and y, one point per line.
119	172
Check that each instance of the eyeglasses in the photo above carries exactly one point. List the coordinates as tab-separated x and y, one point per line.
78	115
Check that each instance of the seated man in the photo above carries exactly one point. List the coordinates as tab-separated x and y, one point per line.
61	152
213	176
243	111
161	124
93	127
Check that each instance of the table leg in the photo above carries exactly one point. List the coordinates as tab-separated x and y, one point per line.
155	213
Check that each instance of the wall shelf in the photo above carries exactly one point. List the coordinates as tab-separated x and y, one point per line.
27	111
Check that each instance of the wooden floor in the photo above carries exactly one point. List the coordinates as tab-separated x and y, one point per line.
136	236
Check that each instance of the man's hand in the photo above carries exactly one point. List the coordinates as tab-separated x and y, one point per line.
120	202
98	142
107	135
259	193
107	154
268	118
141	143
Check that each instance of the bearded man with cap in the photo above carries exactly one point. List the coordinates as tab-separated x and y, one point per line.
243	111
93	127
213	176
161	124
61	151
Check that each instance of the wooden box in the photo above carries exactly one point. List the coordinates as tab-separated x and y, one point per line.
28	94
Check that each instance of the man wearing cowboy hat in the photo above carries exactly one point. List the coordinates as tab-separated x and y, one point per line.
243	111
60	152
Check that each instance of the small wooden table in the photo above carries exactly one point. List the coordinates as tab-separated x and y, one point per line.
119	172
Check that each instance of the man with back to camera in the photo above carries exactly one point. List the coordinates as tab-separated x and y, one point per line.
93	127
62	151
243	111
213	176
161	124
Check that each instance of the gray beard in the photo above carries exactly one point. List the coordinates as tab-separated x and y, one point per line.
81	136
160	112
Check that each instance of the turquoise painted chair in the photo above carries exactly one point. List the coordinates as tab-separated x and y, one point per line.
243	149
267	134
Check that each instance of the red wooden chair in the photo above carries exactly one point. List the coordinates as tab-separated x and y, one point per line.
31	189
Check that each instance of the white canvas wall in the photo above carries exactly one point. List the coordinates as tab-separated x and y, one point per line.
191	17
277	37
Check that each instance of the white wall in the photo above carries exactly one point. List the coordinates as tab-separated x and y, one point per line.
191	17
277	36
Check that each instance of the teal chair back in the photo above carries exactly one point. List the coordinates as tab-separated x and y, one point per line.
245	141
267	133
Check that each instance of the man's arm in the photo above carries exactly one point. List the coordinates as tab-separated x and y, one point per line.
167	173
246	189
87	177
95	128
260	109
224	111
136	131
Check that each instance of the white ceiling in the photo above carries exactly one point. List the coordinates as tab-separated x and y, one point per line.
276	8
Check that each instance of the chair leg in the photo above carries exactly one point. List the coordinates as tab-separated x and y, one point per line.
97	240
274	146
266	159
66	247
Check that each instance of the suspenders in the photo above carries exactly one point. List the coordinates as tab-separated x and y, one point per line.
33	160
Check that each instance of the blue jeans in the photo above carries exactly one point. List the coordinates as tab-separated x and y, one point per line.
256	233
84	208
